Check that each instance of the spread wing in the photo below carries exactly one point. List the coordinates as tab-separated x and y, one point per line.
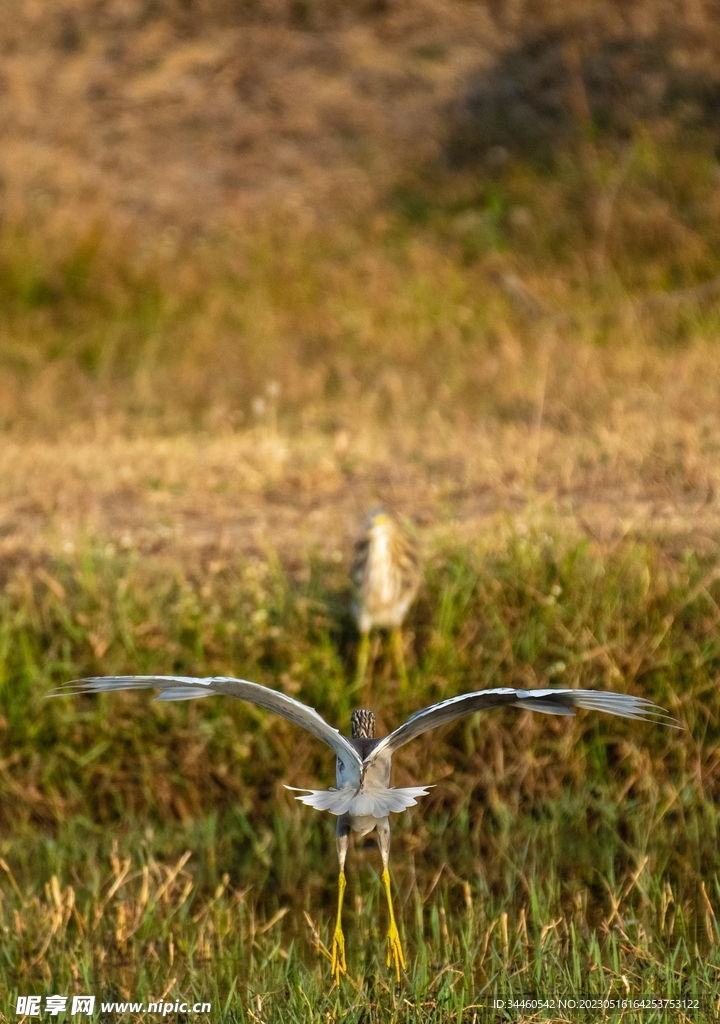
551	702
190	688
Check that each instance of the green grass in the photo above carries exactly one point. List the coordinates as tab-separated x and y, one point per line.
466	944
552	857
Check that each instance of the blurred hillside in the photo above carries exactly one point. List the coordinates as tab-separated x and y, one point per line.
195	112
376	210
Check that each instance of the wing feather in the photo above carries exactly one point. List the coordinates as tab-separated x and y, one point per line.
548	701
192	688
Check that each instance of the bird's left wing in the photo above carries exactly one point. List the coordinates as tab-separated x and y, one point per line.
551	702
190	688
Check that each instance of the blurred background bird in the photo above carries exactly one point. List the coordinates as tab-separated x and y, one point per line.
385	575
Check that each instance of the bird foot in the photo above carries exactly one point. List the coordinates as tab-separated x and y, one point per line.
395	955
338	965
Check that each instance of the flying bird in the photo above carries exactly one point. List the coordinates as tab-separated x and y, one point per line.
385	575
363	798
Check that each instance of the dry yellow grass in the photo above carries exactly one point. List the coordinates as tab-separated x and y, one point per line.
194	116
642	463
200	201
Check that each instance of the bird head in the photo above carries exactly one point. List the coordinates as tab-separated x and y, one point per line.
363	724
376	517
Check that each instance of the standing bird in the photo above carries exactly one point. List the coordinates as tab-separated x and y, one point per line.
364	798
385	574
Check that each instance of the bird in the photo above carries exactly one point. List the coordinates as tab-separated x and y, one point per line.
363	798
385	575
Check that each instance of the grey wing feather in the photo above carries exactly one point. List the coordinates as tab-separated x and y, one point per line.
182	693
192	688
550	702
359	562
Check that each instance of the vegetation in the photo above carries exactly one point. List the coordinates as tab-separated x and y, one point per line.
452	296
148	842
262	267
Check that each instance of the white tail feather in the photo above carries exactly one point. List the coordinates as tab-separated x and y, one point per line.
374	803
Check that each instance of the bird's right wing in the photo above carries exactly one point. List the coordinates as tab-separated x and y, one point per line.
551	702
190	688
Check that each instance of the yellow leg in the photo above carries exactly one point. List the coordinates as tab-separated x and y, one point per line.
338	947
394	948
362	660
399	651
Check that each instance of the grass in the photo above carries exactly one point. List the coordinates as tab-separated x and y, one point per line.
378	317
551	858
144	929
